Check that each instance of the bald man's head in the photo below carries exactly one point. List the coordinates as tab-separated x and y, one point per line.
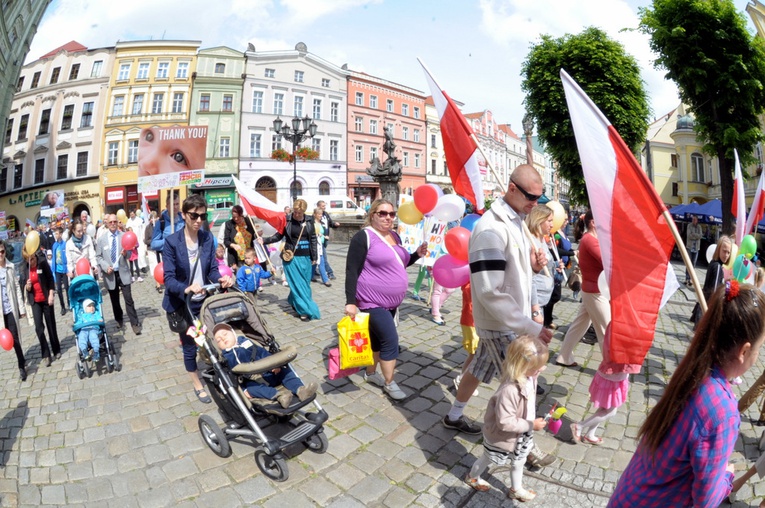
525	188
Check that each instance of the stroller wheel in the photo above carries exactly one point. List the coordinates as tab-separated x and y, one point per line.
86	368
78	369
214	437
273	467
317	443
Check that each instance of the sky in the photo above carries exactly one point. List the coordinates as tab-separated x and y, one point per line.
473	48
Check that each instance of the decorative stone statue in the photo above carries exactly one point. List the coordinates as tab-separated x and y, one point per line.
387	173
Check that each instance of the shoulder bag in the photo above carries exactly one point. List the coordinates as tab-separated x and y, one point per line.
288	254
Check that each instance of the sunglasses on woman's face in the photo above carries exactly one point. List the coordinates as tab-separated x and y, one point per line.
195	216
383	214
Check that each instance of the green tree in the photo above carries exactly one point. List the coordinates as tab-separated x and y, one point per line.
609	76
719	68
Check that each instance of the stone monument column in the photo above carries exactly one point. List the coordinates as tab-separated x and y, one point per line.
388	173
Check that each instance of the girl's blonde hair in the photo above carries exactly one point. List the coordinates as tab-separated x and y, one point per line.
536	217
525	354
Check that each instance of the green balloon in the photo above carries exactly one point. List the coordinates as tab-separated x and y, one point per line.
748	246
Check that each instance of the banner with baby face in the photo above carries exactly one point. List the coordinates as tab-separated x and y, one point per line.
171	156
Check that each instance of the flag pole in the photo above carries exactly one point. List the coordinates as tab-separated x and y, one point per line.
686	259
258	235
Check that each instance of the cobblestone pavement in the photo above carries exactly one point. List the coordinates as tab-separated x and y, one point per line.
130	438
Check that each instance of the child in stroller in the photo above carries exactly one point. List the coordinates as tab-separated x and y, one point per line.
91	322
238	350
89	327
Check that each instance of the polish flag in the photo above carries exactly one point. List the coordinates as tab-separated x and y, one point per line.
257	205
758	206
460	145
738	206
145	209
635	240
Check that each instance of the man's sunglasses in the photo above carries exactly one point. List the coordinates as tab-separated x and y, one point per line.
384	214
527	195
195	216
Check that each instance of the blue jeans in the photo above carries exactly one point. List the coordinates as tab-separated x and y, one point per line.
324	264
88	336
322	269
694	255
285	377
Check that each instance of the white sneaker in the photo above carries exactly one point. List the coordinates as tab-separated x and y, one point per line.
285	283
375	379
394	392
133	279
140	279
457	380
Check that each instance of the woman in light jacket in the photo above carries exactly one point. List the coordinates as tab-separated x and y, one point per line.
79	246
10	296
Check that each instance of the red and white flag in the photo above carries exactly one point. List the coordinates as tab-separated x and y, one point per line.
460	147
145	208
635	241
738	206
758	206
257	205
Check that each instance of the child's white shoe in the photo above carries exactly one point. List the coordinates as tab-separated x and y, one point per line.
521	494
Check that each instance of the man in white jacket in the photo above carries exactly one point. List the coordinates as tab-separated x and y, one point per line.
502	263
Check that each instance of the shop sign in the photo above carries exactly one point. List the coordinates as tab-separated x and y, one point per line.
80	195
115	196
216	181
215	197
32	198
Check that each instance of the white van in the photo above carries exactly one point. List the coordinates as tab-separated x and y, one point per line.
338	206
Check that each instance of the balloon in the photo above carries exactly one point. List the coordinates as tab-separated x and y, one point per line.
32	243
732	258
91	231
6	339
741	268
82	267
276	259
748	246
225	270
129	241
122	216
408	213
603	285
469	220
711	252
159	273
426	197
450	272
456	241
559	215
450	207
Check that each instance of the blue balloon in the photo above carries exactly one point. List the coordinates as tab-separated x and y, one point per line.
469	220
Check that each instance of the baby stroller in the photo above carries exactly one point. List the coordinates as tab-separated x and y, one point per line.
250	418
85	287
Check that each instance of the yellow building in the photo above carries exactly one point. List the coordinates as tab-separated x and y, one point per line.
150	86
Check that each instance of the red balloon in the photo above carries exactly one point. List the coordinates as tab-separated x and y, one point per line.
129	241
159	273
456	241
426	198
82	267
6	339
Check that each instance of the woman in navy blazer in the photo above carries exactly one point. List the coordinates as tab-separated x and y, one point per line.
191	247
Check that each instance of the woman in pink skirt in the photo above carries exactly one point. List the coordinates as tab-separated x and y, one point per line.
608	391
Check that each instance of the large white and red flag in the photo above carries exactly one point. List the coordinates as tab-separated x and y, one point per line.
758	206
738	206
460	147
257	205
635	241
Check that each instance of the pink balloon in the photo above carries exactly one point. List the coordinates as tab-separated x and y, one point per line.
225	270
456	241
6	339
129	241
451	272
426	197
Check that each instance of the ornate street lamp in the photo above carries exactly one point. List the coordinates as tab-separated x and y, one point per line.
296	135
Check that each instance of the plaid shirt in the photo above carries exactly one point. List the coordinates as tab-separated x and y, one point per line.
689	466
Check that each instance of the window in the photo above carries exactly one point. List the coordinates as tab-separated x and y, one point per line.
82	163
23	127
132	151
316	144
270	73
325	82
392	131
35	80
220	68
66	118
162	69
417	160
18	173
62	167
405	133
178	102
298	106
296	189
372	153
255	145
156	106
416	135
405	109
183	70
373	126
119	104
3	178
276	142
359	124
204	102
143	70
334	109
8	131
257	101
389	105
54	75
279	104
406	159
95	71
373	101
317	109
359	153
359	98
324	189
416	112
39	171
432	141
334	146
432	166
225	147
74	72
228	102
673	160
20	83
124	72
138	104
44	122
299	76
697	167
112	153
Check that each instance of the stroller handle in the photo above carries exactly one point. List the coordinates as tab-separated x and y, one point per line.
209	288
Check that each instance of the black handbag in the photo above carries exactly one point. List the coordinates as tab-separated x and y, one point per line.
177	320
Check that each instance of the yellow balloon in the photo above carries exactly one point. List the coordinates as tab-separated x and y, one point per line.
32	243
559	215
122	216
409	214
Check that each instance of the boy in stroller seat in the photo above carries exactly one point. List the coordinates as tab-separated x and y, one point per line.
88	335
242	350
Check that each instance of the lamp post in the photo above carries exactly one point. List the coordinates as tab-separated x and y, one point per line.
296	135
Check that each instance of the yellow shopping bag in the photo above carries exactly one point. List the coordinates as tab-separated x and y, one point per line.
353	340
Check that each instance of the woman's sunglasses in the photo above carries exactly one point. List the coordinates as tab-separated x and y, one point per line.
195	216
384	214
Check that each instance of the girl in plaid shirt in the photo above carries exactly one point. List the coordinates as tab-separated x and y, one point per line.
687	439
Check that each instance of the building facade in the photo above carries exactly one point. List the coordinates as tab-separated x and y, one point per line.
437	171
